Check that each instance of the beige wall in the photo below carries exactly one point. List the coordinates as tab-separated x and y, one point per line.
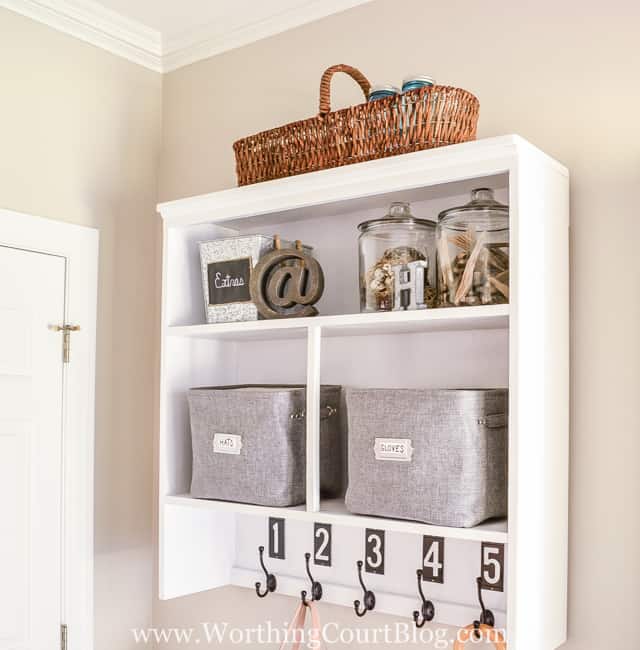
565	76
79	142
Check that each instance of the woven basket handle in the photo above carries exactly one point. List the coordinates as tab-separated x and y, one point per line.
325	84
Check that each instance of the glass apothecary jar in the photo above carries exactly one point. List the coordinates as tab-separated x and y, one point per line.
473	252
397	261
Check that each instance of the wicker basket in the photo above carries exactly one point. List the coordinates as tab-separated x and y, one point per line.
420	119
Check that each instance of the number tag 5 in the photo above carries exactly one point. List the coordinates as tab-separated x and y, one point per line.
492	566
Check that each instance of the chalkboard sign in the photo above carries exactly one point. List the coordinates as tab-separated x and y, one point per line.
229	281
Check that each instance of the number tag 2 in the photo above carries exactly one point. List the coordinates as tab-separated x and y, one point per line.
322	544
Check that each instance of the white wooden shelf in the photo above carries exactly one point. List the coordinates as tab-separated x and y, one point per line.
523	346
427	320
334	511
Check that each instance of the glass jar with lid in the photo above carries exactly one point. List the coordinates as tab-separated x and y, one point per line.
473	252
397	249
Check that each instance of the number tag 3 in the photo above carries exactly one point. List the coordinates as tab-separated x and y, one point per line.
374	551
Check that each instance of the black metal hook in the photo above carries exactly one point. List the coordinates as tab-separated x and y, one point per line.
271	582
316	587
486	616
369	596
428	610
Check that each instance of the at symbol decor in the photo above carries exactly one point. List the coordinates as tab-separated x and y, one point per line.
286	283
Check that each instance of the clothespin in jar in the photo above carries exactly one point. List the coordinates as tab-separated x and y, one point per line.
299	247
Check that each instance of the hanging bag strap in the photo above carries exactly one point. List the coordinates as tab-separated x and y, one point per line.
325	84
296	629
316	627
487	633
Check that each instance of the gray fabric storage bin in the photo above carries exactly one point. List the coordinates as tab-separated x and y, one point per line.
249	443
435	456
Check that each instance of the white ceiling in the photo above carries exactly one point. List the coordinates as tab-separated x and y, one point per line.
173	19
167	34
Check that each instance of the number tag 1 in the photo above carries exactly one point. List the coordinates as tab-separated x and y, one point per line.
374	551
276	538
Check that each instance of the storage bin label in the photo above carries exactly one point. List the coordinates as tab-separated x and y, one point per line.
229	281
398	449
226	443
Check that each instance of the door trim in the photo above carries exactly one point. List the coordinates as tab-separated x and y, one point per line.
79	246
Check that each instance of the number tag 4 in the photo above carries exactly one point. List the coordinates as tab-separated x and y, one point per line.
433	559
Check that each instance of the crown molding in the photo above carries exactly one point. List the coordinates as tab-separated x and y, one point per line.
91	22
94	24
199	45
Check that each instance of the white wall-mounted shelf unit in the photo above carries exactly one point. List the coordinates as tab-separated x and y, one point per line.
523	346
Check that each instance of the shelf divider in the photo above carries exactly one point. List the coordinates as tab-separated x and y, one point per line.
314	342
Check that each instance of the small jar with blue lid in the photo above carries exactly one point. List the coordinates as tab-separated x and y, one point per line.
411	98
382	91
416	81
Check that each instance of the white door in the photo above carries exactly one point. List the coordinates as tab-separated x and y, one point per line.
32	299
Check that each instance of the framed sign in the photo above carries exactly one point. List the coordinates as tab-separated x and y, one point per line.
229	281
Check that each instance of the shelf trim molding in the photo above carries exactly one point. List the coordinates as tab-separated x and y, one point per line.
493	316
482	533
420	169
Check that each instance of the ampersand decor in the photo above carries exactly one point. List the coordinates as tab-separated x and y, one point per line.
286	283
